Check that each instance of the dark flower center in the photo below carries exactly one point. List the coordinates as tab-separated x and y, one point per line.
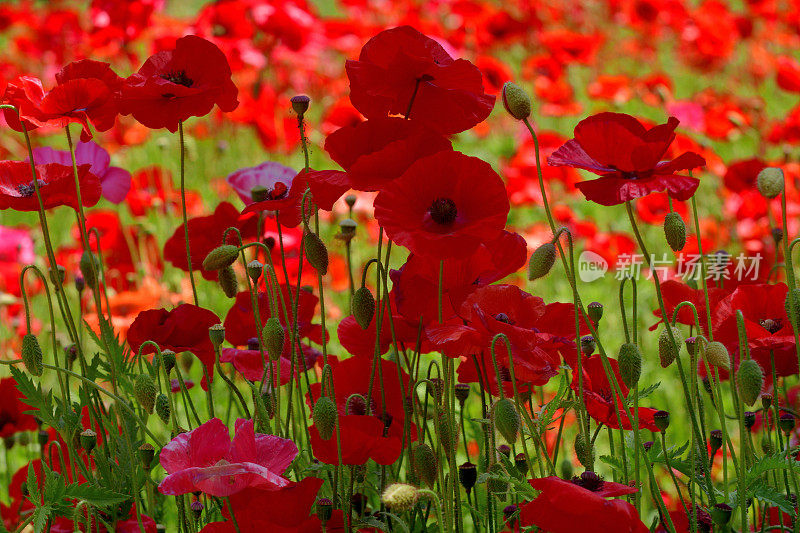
178	77
26	189
279	191
589	481
505	374
443	211
504	318
771	325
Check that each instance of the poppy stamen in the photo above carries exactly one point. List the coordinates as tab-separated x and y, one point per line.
179	78
443	211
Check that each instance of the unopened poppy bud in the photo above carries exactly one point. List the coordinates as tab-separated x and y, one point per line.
749	419
324	510
495	484
777	235
168	360
770	182
89	267
715	441
566	469
786	422
221	257
588	345
316	252
228	282
467	475
661	420
516	101
750	381
675	231
146	455
437	391
32	355
325	415
504	449
717	355
145	390
542	260
630	364
584	451
595	312
88	440
300	104
448	434
217	334
766	445
792	305
363	307
254	269
197	509
766	401
721	514
58	275
350	200
462	393
162	407
505	419
273	337
521	463
667	350
400	497
423	461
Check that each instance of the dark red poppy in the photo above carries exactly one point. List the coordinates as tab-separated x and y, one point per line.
205	234
249	363
286	198
56	185
401	68
599	396
741	175
379	150
183	329
444	206
12	411
627	156
788	74
362	438
769	329
581	505
174	85
240	323
361	342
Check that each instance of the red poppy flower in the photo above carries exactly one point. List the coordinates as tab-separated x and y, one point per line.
174	85
12	411
675	292
599	396
581	505
285	197
627	156
283	511
240	323
184	329
768	327
741	175
56	185
361	342
444	206
401	66
362	438
205	234
251	366
206	459
379	150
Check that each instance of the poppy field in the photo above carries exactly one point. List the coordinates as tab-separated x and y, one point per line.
360	266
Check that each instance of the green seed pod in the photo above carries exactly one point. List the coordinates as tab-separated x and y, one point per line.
146	454
667	351
221	257
717	355
88	440
750	379
505	418
145	390
630	364
228	281
363	307
542	260
584	451
325	416
400	497
273	336
168	360
675	231
216	334
770	182
316	252
90	268
162	407
32	355
424	463
595	312
254	269
516	101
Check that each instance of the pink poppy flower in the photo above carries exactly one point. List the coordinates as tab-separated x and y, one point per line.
274	177
115	181
205	459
